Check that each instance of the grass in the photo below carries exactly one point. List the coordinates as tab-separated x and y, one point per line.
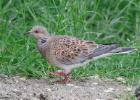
108	21
128	97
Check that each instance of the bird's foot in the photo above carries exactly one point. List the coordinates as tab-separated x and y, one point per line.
61	73
63	81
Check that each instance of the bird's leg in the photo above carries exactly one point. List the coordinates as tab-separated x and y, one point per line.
58	73
65	80
61	73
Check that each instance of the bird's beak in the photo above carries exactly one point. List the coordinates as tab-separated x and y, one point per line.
29	32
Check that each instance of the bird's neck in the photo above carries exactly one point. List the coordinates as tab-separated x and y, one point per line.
42	41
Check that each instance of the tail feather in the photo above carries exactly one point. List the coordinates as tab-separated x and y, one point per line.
105	50
123	50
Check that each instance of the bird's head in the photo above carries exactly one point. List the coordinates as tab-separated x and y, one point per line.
39	32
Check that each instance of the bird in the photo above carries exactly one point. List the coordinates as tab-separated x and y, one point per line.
67	52
137	93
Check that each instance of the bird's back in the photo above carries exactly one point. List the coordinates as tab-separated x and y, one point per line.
65	51
69	51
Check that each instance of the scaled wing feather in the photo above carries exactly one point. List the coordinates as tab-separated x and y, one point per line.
70	50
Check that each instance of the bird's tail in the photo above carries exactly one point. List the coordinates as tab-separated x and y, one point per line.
106	50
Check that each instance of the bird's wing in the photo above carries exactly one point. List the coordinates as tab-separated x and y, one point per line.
64	50
68	51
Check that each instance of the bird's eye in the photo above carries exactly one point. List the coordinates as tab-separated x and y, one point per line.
36	31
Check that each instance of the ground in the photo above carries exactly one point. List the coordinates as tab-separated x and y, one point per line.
94	87
102	21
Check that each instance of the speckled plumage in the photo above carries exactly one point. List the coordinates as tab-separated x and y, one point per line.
68	52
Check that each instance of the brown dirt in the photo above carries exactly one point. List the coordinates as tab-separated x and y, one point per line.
92	88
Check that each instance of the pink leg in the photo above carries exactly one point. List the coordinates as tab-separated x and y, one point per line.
57	73
61	73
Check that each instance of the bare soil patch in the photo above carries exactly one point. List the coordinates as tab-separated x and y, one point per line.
92	88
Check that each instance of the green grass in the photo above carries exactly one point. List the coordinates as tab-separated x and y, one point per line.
103	21
128	96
